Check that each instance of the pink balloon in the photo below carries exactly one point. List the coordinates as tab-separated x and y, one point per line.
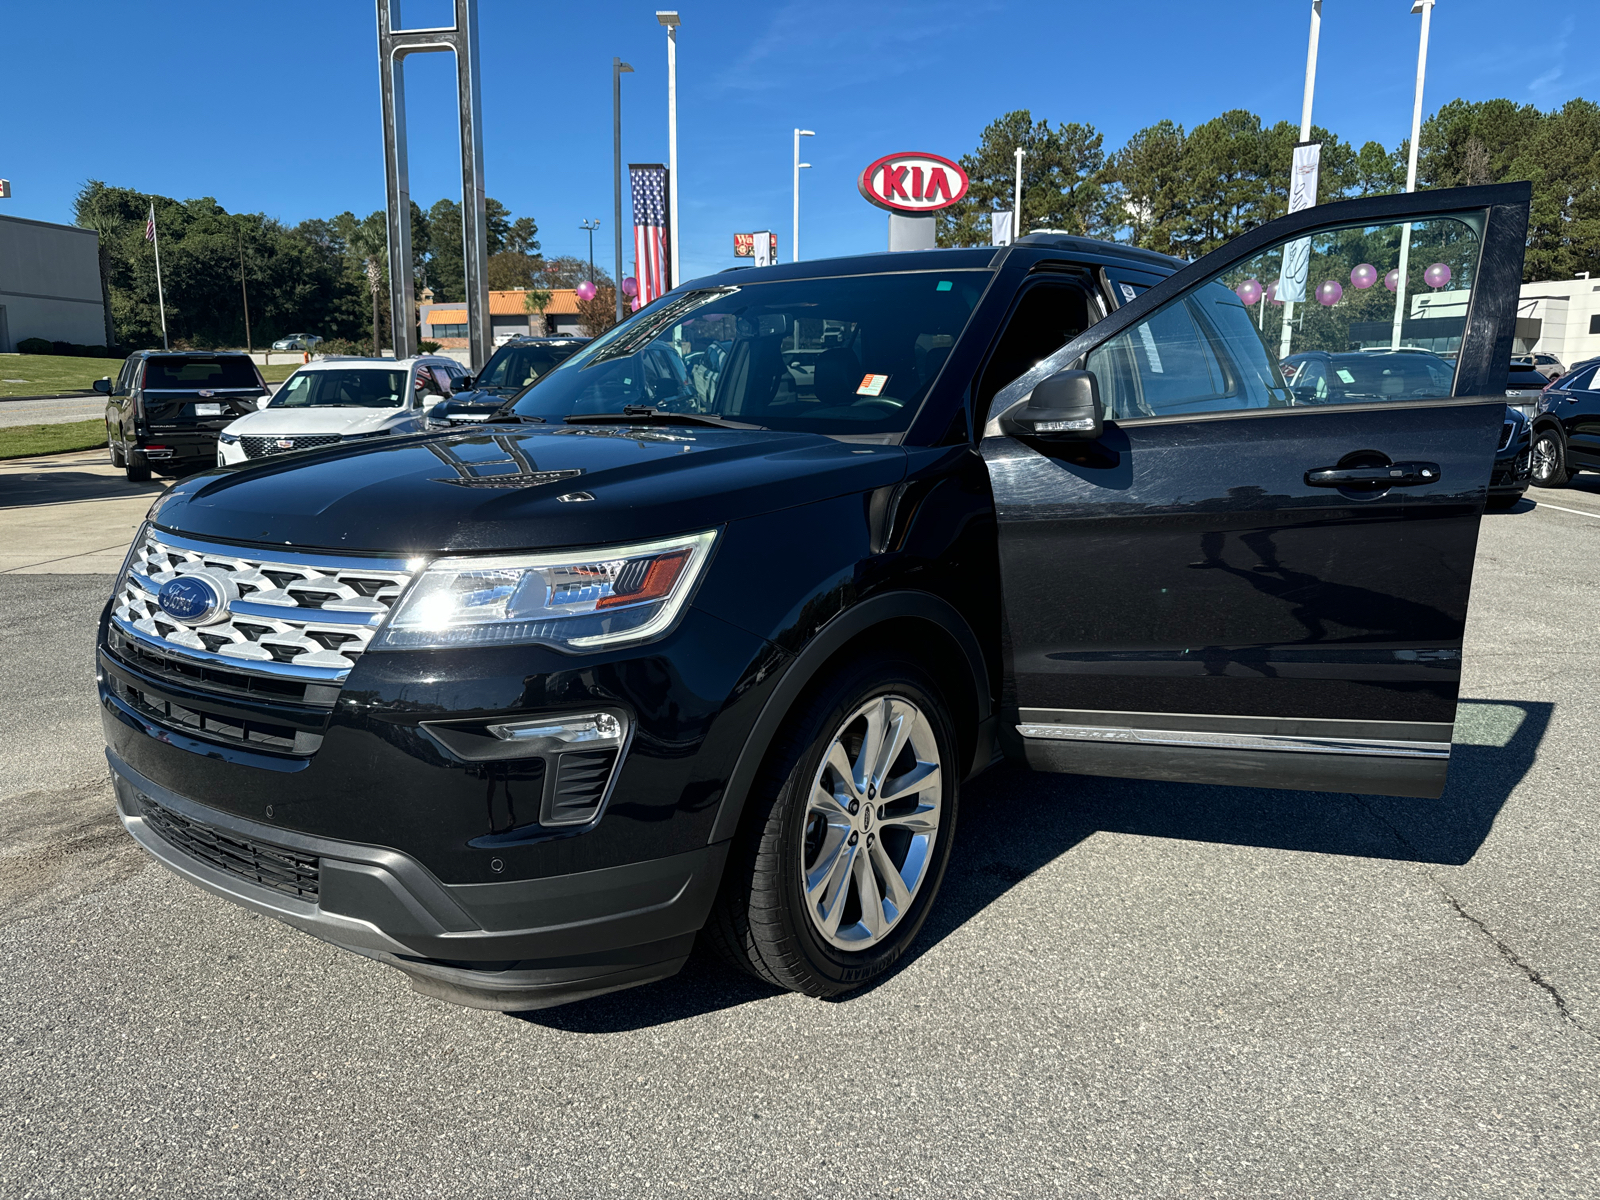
586	290
1272	295
630	286
635	305
1329	293
1249	291
1364	276
1436	276
1392	280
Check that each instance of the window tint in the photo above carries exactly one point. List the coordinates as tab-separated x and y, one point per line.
189	373
1227	344
518	366
1047	317
1583	381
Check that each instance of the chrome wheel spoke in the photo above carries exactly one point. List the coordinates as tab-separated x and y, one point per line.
899	718
839	760
873	917
895	891
871	745
828	806
921	778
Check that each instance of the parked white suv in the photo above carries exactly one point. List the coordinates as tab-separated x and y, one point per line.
341	400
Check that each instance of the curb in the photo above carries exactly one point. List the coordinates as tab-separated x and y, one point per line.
52	396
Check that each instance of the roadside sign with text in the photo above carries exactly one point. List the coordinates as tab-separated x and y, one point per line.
913	182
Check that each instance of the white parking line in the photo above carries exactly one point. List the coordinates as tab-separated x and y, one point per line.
1558	508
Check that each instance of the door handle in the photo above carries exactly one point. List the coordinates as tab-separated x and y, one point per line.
1400	474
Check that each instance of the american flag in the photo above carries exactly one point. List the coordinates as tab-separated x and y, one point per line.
649	182
150	225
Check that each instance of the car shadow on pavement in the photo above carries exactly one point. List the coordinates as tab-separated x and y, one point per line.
1014	821
57	485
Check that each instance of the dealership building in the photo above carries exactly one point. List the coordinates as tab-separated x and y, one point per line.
446	323
50	285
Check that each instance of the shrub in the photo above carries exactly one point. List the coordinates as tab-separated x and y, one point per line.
339	346
34	346
427	347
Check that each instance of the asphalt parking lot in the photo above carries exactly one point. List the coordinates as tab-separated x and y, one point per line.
1129	989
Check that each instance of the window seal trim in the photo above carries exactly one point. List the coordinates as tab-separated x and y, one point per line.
1296	409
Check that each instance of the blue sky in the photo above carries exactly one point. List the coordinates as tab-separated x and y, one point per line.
274	107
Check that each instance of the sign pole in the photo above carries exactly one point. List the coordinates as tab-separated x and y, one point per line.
161	299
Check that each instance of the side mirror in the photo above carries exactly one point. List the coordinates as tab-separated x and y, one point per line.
462	384
103	386
1065	405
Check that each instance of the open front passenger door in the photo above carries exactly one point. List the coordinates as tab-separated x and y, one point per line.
1238	569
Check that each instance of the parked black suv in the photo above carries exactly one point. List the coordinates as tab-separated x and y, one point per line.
522	709
514	366
1566	428
165	408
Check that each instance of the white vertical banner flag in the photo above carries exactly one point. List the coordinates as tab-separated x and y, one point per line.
1302	194
1000	229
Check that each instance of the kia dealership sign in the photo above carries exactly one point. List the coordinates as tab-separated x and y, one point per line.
913	183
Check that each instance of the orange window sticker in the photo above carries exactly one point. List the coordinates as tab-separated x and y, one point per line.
872	385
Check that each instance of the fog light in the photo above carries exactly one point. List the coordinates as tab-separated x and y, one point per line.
595	731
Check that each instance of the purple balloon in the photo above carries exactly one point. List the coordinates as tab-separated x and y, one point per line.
1392	280
1249	291
635	304
1436	276
1364	276
1329	293
630	286
1272	294
586	290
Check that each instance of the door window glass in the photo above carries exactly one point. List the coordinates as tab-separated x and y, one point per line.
1047	317
1380	309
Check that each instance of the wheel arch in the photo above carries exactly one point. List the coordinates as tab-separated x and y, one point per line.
935	632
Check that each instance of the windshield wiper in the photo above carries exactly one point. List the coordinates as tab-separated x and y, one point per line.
640	414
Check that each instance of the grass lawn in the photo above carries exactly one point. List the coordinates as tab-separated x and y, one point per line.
278	372
24	441
43	374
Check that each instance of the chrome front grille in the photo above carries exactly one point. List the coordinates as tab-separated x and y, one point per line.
308	616
261	447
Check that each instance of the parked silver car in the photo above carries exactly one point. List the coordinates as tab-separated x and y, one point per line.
297	341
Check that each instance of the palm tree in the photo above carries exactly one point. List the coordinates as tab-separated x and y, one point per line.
370	243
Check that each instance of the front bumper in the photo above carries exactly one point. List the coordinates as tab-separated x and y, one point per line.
1512	469
510	946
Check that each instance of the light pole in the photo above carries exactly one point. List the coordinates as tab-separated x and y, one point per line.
1016	200
1424	7
670	20
798	165
618	67
591	225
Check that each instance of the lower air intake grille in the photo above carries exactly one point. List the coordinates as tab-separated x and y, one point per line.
579	786
261	863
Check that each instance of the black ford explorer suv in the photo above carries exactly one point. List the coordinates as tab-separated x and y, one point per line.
165	408
523	709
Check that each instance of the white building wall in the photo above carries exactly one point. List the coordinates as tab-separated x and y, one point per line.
1570	310
50	283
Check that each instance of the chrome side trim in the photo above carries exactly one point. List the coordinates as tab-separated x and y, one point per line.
1384	747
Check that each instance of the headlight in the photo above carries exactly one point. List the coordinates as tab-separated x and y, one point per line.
228	439
573	600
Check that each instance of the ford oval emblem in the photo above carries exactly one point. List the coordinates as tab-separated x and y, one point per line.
192	599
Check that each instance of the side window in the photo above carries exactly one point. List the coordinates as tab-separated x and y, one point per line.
427	386
1046	317
1386	304
130	368
1583	381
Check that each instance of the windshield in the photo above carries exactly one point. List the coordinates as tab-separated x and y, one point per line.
187	374
342	389
518	366
852	355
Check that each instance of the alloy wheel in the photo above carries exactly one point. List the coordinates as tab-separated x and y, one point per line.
1546	458
871	822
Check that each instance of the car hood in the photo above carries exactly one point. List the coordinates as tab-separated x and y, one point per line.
502	488
280	422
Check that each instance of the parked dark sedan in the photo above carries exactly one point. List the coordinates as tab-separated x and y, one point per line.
1566	428
518	364
1512	461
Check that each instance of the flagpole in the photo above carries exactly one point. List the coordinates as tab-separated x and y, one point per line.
155	236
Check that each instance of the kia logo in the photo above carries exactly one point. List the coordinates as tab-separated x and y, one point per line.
913	182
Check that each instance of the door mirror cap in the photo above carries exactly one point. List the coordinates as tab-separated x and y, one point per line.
1066	405
462	383
103	386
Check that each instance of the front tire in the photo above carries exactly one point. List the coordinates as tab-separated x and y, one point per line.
847	837
1549	468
